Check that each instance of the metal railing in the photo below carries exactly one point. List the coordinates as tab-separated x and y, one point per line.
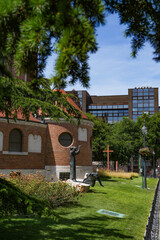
153	220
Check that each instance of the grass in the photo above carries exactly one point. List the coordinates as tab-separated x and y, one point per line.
82	221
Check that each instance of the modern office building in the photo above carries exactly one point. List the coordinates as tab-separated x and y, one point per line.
114	108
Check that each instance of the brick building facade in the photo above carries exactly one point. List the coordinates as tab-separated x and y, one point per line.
45	146
114	108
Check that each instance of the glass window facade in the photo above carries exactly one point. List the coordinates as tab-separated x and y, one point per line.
107	106
113	109
110	113
79	93
142	101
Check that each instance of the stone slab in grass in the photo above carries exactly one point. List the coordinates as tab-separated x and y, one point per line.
141	187
110	213
82	187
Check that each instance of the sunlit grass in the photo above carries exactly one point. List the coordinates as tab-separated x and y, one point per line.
81	221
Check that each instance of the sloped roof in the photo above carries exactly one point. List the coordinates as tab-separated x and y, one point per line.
73	104
33	119
20	117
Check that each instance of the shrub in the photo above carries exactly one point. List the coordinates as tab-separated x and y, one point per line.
62	193
15	201
55	194
124	175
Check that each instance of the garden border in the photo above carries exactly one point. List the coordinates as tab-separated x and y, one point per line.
152	226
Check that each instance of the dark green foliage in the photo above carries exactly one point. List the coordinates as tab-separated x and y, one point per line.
121	137
153	135
15	201
122	141
125	138
30	32
101	133
36	97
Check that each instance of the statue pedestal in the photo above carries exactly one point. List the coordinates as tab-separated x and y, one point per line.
82	187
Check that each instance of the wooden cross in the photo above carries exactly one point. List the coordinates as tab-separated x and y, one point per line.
108	151
116	166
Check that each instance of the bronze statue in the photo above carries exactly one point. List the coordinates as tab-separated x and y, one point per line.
73	154
91	179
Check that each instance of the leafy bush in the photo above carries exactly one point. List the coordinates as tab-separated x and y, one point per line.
124	175
62	193
15	201
55	194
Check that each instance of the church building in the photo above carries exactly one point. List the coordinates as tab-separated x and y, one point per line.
45	146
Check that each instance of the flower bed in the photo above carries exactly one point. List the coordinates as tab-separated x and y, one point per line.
35	185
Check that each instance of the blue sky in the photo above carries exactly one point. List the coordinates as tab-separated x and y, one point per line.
112	69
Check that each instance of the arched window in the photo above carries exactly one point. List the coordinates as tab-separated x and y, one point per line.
15	141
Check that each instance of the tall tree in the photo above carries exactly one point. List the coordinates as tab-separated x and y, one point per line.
125	138
101	134
153	135
30	31
123	141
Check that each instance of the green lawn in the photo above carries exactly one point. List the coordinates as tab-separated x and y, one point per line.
82	221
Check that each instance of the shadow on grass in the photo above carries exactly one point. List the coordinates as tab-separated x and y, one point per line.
96	191
106	179
92	227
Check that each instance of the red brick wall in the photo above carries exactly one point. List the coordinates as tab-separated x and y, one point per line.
53	153
32	160
61	154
